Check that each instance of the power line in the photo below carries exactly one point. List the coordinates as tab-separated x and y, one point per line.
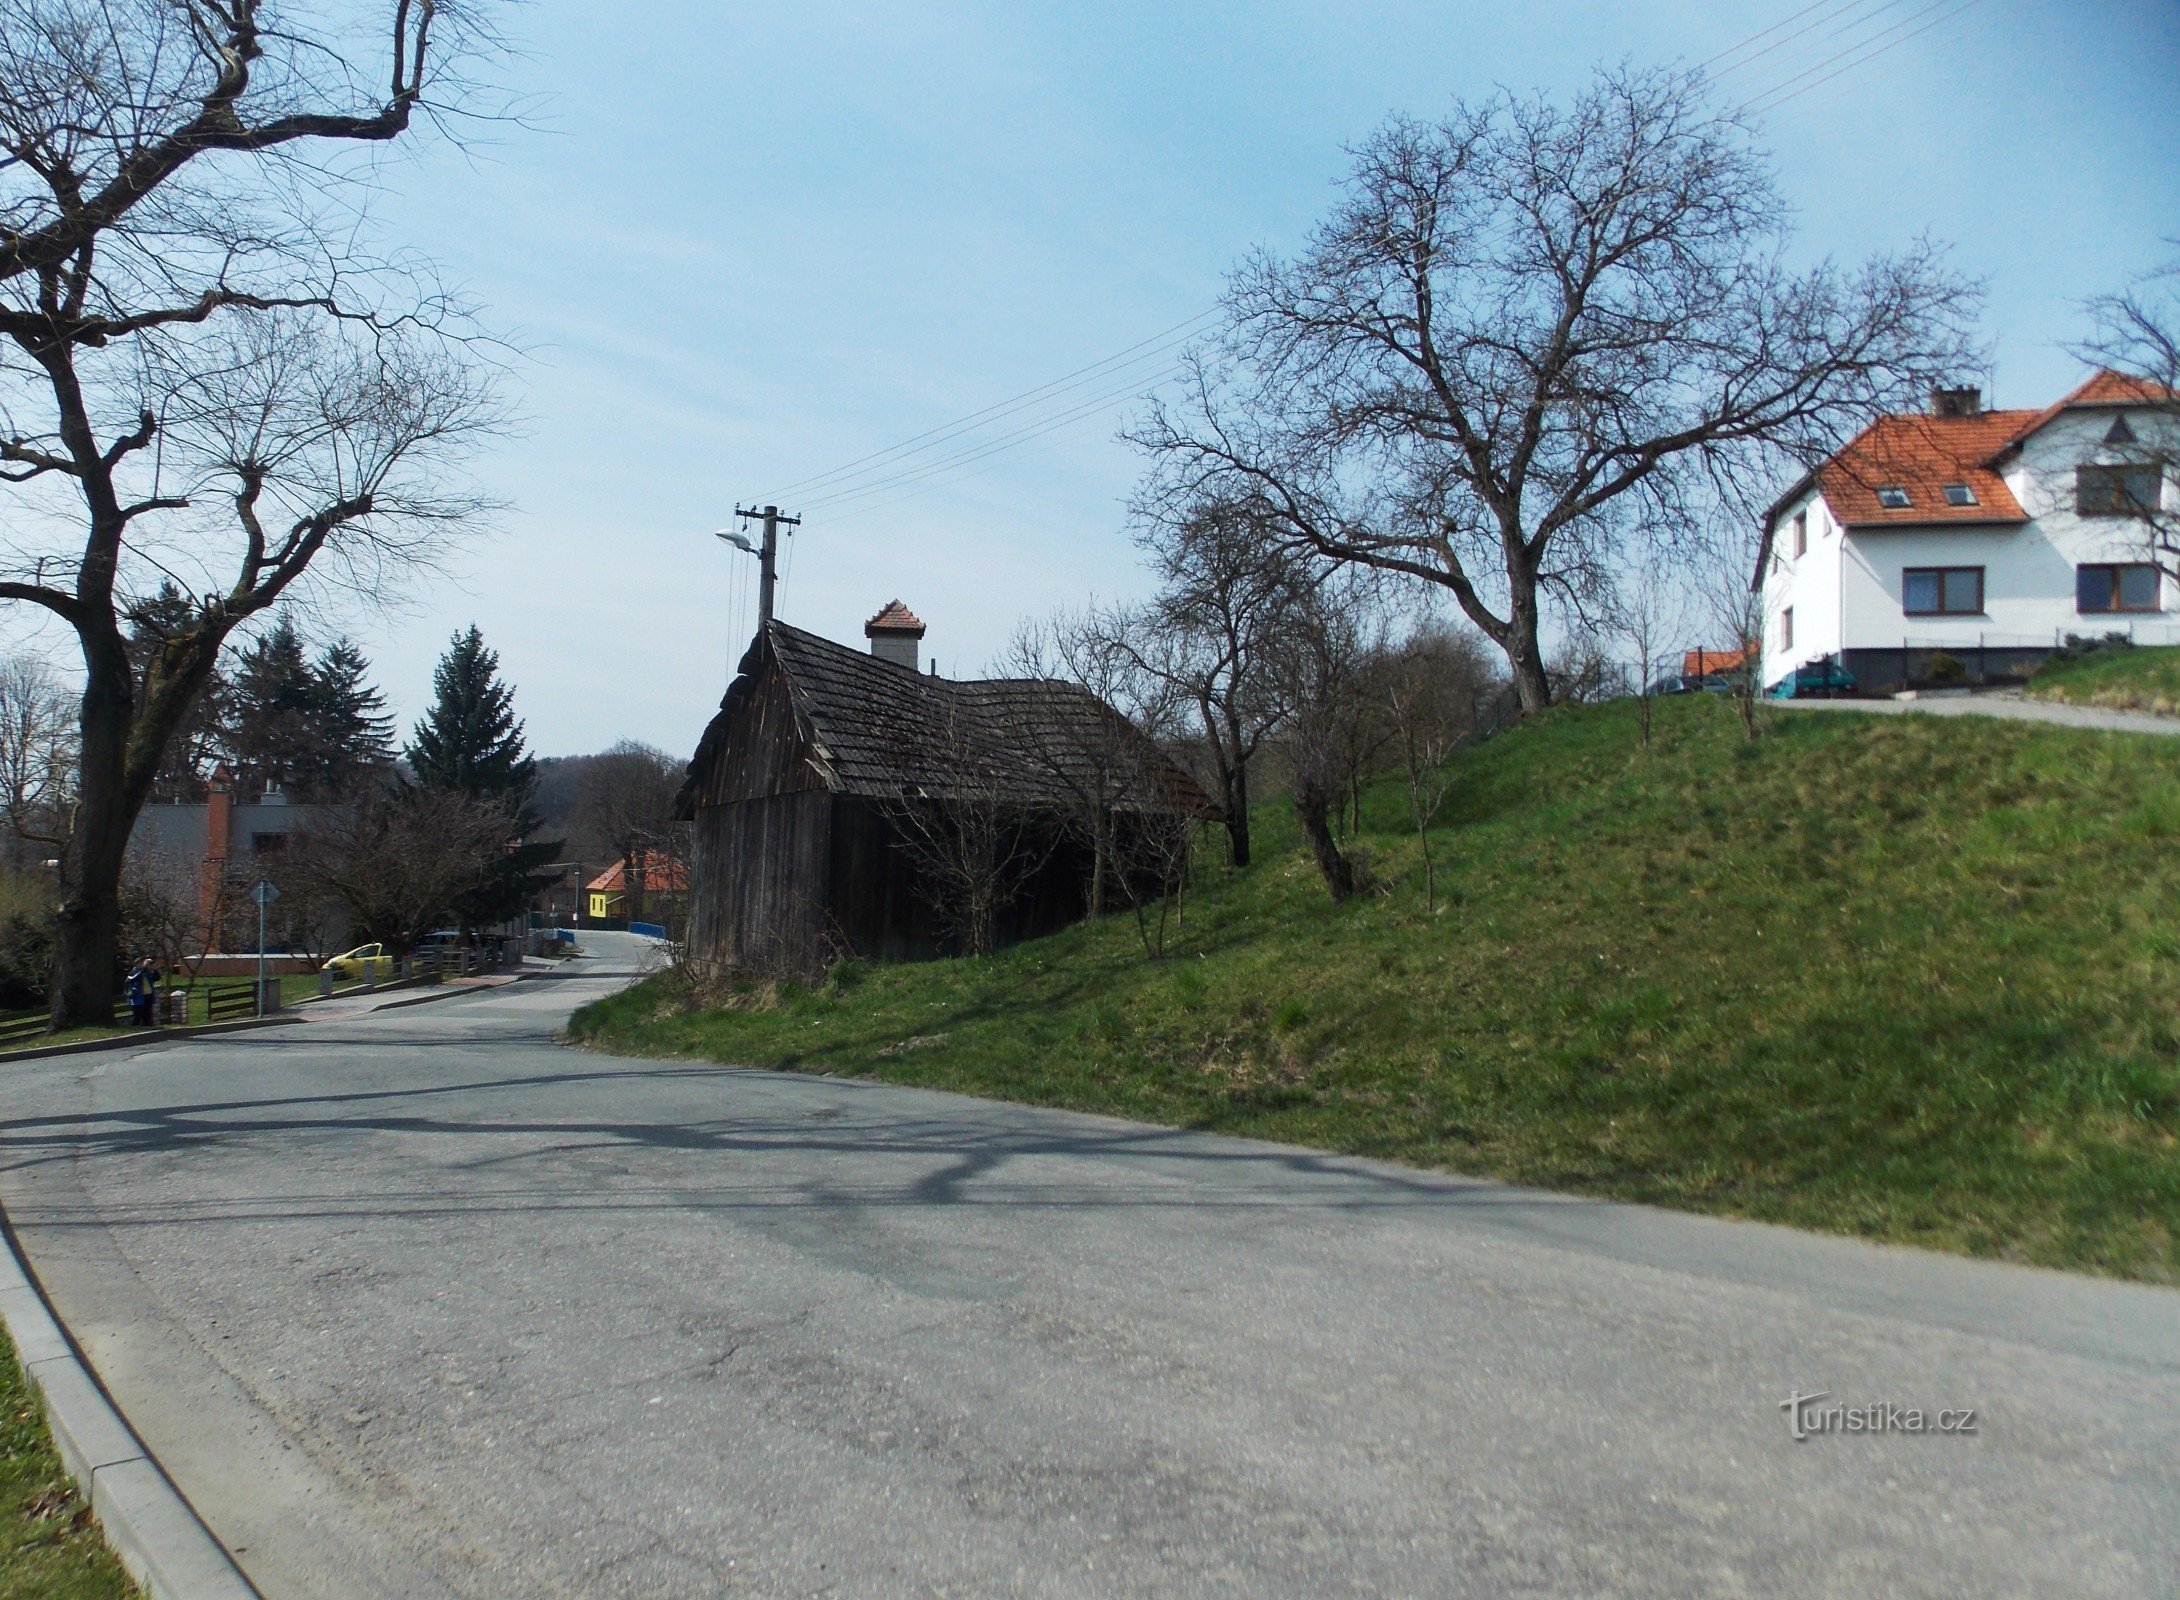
1837	14
1848	88
1092	373
899	466
980	448
1771	99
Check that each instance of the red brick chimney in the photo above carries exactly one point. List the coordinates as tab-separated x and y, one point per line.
219	818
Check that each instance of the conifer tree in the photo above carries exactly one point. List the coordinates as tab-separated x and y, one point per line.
471	741
350	713
313	727
269	739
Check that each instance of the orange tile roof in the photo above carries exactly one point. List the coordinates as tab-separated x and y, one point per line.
1922	454
2103	388
661	875
1702	663
895	618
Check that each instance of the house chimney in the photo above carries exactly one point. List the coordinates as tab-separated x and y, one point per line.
1962	402
219	814
893	634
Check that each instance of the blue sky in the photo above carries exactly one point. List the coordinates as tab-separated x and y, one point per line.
745	247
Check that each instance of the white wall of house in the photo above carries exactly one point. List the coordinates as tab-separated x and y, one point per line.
1847	592
1807	585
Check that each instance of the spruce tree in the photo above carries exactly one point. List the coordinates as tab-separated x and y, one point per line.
350	714
471	741
269	737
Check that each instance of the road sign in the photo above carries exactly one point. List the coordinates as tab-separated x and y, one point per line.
264	894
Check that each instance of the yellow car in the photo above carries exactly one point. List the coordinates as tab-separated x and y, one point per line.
365	961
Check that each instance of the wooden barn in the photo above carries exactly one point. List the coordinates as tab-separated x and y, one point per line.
820	786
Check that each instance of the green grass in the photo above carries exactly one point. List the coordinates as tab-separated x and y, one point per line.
1902	977
50	1549
46	1041
2123	680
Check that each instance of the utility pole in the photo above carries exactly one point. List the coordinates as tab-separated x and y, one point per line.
768	554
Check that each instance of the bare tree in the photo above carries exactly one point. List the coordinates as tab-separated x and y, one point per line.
1648	613
2138	334
1526	332
1227	593
625	799
37	755
1324	680
1100	753
206	375
965	824
1434	686
160	912
1730	590
400	859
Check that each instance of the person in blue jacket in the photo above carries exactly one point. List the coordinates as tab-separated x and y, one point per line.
142	988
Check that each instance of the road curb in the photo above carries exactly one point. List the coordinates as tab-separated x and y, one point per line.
138	1040
443	993
157	1534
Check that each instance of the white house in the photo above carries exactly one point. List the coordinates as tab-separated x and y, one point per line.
1986	536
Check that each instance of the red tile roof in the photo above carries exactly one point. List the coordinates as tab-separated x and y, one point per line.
1702	663
1922	455
2103	388
895	618
661	875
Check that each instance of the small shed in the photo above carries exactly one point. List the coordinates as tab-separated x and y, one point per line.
808	785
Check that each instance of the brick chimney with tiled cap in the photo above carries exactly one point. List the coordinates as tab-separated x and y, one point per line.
893	634
1966	401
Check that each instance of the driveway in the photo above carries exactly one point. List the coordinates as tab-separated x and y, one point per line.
2010	704
417	1303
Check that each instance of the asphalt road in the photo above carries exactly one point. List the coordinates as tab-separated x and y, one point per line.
419	1303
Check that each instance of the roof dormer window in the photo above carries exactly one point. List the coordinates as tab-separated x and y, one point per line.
1893	498
1959	494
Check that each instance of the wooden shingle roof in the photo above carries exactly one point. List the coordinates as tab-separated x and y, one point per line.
881	730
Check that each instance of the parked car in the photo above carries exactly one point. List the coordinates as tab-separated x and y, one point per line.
1815	678
1672	683
365	961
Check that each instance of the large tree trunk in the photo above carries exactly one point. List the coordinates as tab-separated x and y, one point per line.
123	742
1234	781
1523	654
86	957
1314	807
1237	814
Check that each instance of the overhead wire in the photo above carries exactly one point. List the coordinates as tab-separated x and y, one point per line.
1169	338
967	444
1838	14
1861	52
981	448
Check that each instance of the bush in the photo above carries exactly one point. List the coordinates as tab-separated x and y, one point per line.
26	960
1945	668
2079	645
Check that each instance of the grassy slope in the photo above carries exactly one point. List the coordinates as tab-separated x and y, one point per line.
50	1548
1901	976
2125	680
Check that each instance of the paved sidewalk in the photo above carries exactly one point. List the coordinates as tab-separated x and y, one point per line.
2009	704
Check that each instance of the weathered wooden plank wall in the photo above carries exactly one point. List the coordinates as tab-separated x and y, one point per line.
757	877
